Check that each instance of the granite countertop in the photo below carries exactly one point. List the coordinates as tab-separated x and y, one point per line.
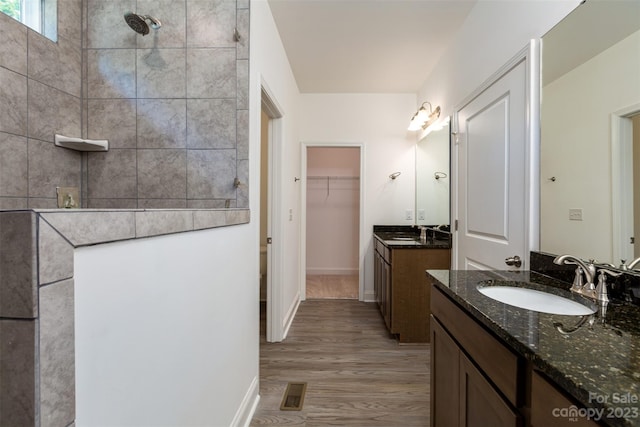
409	237
598	364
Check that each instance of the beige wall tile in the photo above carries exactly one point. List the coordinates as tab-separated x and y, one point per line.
17	370
57	354
55	255
13	166
18	265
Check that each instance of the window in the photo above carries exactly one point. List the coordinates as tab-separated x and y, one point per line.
39	15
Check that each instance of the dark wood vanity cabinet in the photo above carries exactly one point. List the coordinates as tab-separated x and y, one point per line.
382	280
402	292
477	381
461	395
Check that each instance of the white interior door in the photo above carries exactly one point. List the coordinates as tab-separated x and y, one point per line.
274	310
492	166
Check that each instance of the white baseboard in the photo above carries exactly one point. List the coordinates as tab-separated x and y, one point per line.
291	314
247	408
332	271
369	296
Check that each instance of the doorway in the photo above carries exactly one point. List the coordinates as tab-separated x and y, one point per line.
270	225
332	222
625	165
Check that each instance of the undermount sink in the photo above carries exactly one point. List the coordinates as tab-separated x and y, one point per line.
534	300
405	239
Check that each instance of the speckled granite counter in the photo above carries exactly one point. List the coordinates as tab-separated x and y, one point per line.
599	364
406	236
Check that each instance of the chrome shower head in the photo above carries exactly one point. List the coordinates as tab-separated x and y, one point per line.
138	23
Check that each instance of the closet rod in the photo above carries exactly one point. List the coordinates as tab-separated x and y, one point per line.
333	177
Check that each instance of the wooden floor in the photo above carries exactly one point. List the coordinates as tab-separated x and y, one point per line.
356	375
332	286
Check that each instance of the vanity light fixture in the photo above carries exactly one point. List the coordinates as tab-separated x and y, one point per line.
422	119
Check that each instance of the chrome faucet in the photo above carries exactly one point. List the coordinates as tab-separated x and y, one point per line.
631	265
601	290
587	289
423	233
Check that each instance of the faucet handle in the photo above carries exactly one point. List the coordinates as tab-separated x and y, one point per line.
578	283
601	290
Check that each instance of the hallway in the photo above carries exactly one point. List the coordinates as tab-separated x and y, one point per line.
332	286
356	375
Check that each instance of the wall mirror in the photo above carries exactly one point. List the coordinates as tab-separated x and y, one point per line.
39	15
590	102
432	177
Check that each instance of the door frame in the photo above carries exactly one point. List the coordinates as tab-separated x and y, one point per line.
622	182
275	268
303	215
531	56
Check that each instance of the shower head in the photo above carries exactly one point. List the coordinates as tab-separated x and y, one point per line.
138	23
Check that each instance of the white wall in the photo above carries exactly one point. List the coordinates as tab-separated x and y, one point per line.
333	210
270	67
493	33
167	330
379	122
576	149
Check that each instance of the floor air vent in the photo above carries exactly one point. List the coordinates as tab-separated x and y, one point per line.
293	397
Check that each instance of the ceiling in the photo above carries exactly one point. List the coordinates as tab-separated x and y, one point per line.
366	46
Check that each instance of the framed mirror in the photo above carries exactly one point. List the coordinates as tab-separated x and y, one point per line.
432	177
39	15
589	116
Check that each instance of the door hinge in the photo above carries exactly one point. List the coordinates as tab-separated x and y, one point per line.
455	225
269	240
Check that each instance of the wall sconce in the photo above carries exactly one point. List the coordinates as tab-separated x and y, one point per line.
422	119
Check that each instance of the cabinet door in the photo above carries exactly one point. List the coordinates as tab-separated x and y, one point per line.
480	403
377	278
445	367
545	400
386	294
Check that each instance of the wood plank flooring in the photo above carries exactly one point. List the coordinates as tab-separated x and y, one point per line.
332	286
357	375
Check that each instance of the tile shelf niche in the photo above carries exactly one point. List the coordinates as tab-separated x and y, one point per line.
37	300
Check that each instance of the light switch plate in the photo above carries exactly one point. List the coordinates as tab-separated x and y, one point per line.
68	197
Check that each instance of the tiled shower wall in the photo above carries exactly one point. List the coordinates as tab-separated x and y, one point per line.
40	95
173	104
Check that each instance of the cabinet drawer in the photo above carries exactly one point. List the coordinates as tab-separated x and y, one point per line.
384	251
497	362
378	246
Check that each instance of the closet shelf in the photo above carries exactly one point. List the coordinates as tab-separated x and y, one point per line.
329	178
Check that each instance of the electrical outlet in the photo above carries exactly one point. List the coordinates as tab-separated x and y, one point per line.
408	214
290	214
575	214
421	215
68	197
